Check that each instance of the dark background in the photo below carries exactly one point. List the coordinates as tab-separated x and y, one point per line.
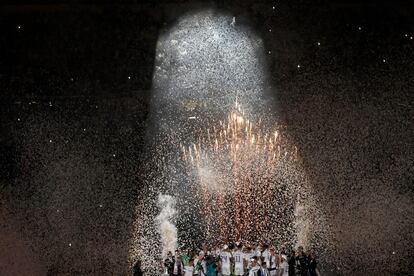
75	84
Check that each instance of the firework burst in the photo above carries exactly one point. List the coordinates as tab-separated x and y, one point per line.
239	166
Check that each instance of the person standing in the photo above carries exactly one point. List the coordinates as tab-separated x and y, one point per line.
265	254
302	260
225	264
255	268
211	266
185	256
313	270
258	253
274	262
239	261
249	254
263	270
292	263
198	264
189	268
169	264
178	265
283	266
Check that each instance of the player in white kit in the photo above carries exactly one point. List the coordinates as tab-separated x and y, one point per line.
225	263
248	254
188	269
274	262
266	254
239	261
283	266
258	253
255	268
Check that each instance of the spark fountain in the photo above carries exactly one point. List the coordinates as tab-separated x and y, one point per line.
243	182
214	144
243	194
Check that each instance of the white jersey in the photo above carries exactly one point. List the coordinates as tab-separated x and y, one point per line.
254	271
225	262
273	265
285	267
258	254
266	257
239	258
204	265
188	270
265	272
249	256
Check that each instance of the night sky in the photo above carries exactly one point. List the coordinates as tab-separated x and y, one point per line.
76	82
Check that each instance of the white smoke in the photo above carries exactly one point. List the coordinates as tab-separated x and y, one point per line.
165	224
302	225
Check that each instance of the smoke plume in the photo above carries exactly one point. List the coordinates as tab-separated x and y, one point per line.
165	224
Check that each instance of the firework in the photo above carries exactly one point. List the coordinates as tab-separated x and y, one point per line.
239	167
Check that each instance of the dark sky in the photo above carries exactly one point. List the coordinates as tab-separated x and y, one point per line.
60	42
75	84
57	43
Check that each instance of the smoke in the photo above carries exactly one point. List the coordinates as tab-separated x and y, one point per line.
302	225
166	228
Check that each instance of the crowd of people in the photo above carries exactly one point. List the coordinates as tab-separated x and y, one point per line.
241	260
